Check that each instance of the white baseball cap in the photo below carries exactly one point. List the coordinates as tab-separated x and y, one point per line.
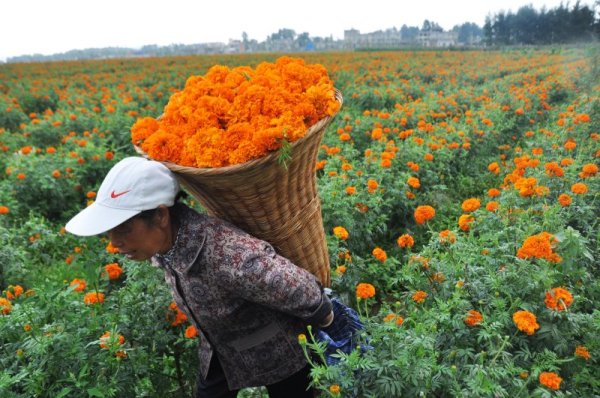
133	185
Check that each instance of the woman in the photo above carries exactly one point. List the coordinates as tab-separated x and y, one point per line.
248	303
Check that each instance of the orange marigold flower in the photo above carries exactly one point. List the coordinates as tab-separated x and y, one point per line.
526	322
111	249
5	306
21	176
13	292
113	270
350	190
175	316
142	129
164	146
579	188
376	134
93	298
464	221
494	168
473	318
363	208
414	182
570	145
423	214
413	166
564	199
106	337
340	233
405	241
558	299
447	237
492	206
340	269
4	210
365	291
566	162
380	254
191	332
581	351
583	117
470	205
389	317
419	296
79	283
554	170
372	185
232	115
550	380
539	246
493	192
334	389
526	186
588	170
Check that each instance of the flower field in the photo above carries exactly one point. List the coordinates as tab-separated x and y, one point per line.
459	193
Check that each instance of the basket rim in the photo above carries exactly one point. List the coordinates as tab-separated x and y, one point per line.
232	169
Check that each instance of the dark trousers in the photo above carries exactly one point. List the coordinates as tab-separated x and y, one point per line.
215	385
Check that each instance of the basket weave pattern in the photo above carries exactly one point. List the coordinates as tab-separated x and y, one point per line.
277	204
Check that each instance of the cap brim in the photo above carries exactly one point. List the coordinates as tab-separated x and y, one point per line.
96	219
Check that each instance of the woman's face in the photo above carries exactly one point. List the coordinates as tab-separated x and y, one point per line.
140	239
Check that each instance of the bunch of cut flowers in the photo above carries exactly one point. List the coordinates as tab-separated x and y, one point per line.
232	115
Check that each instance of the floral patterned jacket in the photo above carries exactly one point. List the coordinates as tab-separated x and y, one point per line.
248	303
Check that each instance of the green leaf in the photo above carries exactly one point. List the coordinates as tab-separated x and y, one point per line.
64	392
285	153
95	392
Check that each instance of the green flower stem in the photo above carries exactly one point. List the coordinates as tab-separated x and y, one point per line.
504	342
316	347
522	388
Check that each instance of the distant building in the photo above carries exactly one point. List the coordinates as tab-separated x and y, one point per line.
434	38
389	38
214	48
235	46
279	45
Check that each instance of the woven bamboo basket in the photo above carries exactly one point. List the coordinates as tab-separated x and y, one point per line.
277	204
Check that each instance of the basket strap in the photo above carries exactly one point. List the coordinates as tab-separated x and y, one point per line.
294	224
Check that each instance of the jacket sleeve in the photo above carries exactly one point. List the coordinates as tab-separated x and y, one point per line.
264	277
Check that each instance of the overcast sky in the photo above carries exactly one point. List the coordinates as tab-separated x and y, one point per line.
53	26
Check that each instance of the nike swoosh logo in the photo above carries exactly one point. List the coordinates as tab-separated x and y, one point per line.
115	195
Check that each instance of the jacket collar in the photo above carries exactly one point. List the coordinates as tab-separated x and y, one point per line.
191	237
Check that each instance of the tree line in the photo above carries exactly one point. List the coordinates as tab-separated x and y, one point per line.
559	25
